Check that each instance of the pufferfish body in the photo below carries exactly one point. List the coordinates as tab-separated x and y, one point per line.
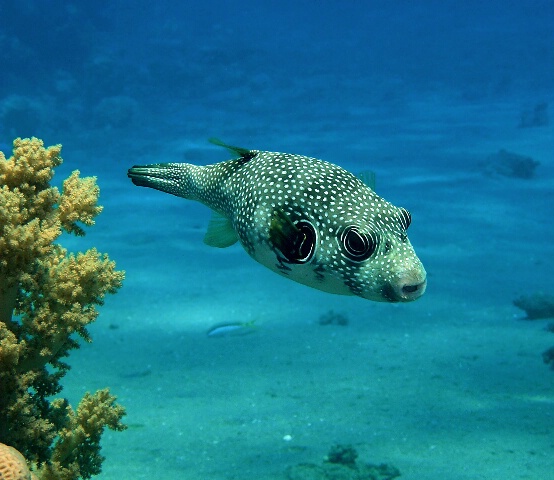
306	219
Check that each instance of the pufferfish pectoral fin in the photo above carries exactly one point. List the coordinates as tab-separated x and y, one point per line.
220	233
296	241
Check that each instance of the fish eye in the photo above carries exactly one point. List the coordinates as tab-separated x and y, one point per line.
357	246
405	218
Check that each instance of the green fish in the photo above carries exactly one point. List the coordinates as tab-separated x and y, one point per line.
306	219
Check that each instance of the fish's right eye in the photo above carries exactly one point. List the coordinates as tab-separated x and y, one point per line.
405	218
358	246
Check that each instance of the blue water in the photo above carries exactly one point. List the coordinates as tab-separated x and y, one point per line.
423	93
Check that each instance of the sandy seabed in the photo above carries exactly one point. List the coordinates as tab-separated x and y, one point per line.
449	387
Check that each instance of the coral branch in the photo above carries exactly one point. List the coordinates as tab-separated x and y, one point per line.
48	297
77	451
79	203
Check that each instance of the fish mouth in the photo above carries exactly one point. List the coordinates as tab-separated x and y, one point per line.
153	176
405	290
165	177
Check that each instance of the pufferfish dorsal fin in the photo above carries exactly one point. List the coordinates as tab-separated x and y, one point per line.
368	178
241	152
220	233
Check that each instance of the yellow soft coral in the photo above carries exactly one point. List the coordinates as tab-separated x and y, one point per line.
29	223
31	165
48	295
78	203
77	452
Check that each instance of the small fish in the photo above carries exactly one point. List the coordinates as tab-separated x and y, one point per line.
234	329
306	219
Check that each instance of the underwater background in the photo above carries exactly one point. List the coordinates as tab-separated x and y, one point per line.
449	103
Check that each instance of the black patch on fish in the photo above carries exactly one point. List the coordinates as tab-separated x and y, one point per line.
355	289
320	273
282	265
295	241
389	293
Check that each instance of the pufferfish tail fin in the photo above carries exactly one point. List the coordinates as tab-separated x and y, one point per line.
241	152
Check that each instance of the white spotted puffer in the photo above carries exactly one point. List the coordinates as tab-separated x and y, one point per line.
304	218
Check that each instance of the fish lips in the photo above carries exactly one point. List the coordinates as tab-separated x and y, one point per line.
406	289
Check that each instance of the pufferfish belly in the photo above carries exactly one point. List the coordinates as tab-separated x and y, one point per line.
258	243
